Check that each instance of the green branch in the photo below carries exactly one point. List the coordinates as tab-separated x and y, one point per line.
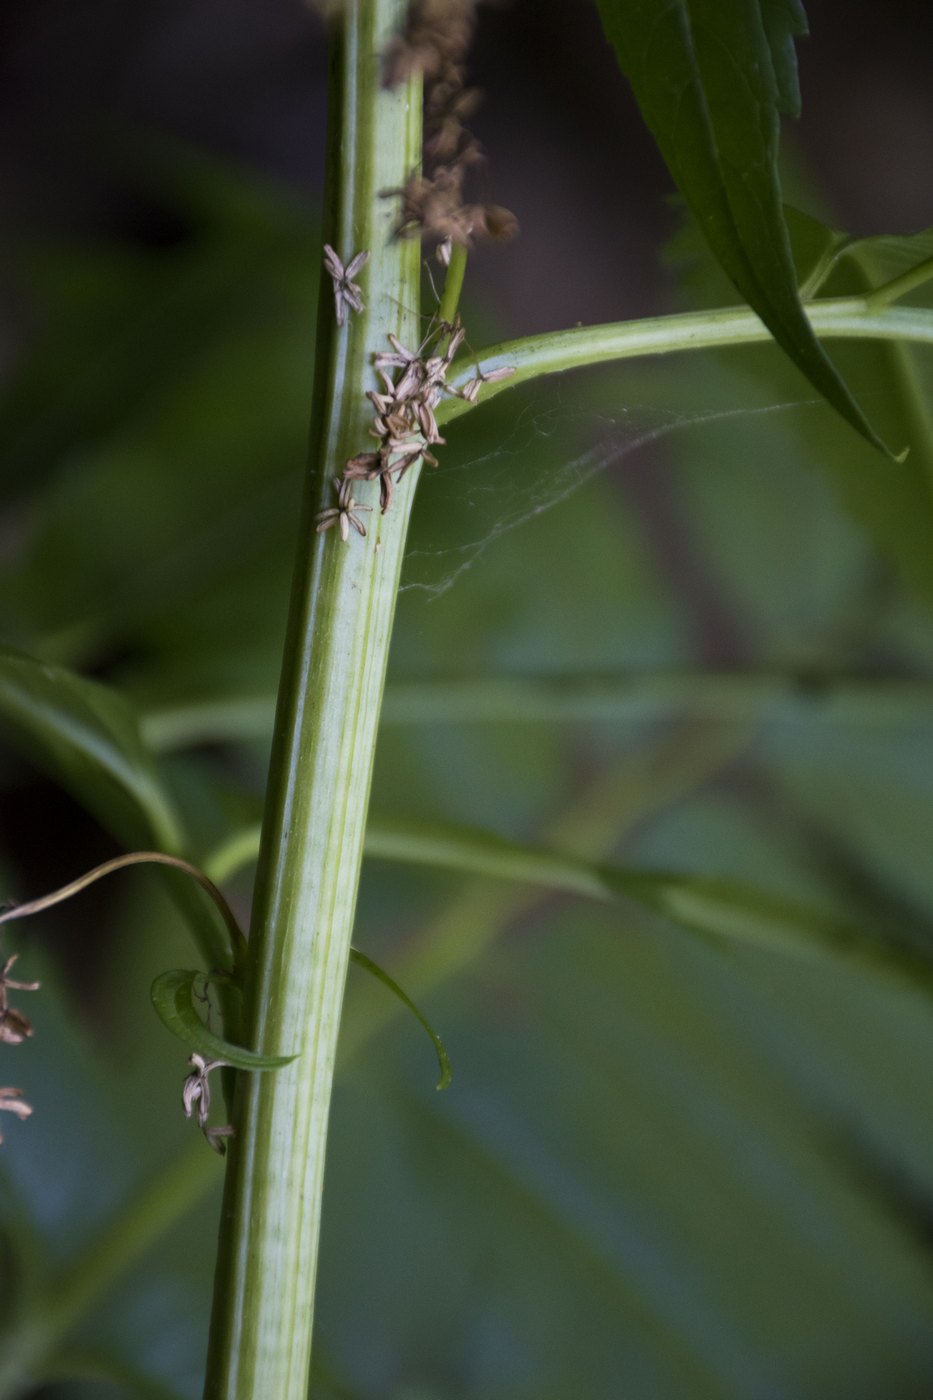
843	318
453	284
899	286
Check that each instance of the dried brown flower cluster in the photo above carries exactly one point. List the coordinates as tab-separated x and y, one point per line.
404	424
434	43
14	1029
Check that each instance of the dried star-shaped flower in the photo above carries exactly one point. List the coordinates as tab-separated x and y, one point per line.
344	513
346	291
409	362
12	1101
471	389
14	1026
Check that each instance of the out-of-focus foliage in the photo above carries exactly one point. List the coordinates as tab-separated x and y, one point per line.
712	78
666	1168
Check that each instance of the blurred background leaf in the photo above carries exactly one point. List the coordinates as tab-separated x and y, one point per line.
705	1172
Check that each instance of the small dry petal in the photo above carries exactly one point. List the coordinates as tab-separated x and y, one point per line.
7	981
14	1027
356	264
196	1094
456	340
409	384
366	466
12	1101
332	263
216	1137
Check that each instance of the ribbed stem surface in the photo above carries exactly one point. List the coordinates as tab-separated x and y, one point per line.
331	690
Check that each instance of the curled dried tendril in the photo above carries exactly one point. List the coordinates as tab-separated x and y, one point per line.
15	1027
344	513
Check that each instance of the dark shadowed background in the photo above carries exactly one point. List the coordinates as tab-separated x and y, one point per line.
666	1170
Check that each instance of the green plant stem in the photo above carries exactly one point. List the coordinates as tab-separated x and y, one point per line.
453	283
848	318
618	800
899	286
337	644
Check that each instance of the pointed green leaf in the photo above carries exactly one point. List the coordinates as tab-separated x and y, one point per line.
725	910
173	998
866	264
894	507
783	21
86	738
711	78
382	976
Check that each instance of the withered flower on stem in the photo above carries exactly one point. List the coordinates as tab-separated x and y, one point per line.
14	1026
434	43
196	1095
12	1101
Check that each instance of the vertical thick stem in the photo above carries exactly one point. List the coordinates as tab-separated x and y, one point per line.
331	690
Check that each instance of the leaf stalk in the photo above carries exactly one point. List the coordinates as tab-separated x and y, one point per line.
843	318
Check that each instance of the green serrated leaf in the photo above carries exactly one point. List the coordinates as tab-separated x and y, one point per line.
711	78
173	998
382	976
